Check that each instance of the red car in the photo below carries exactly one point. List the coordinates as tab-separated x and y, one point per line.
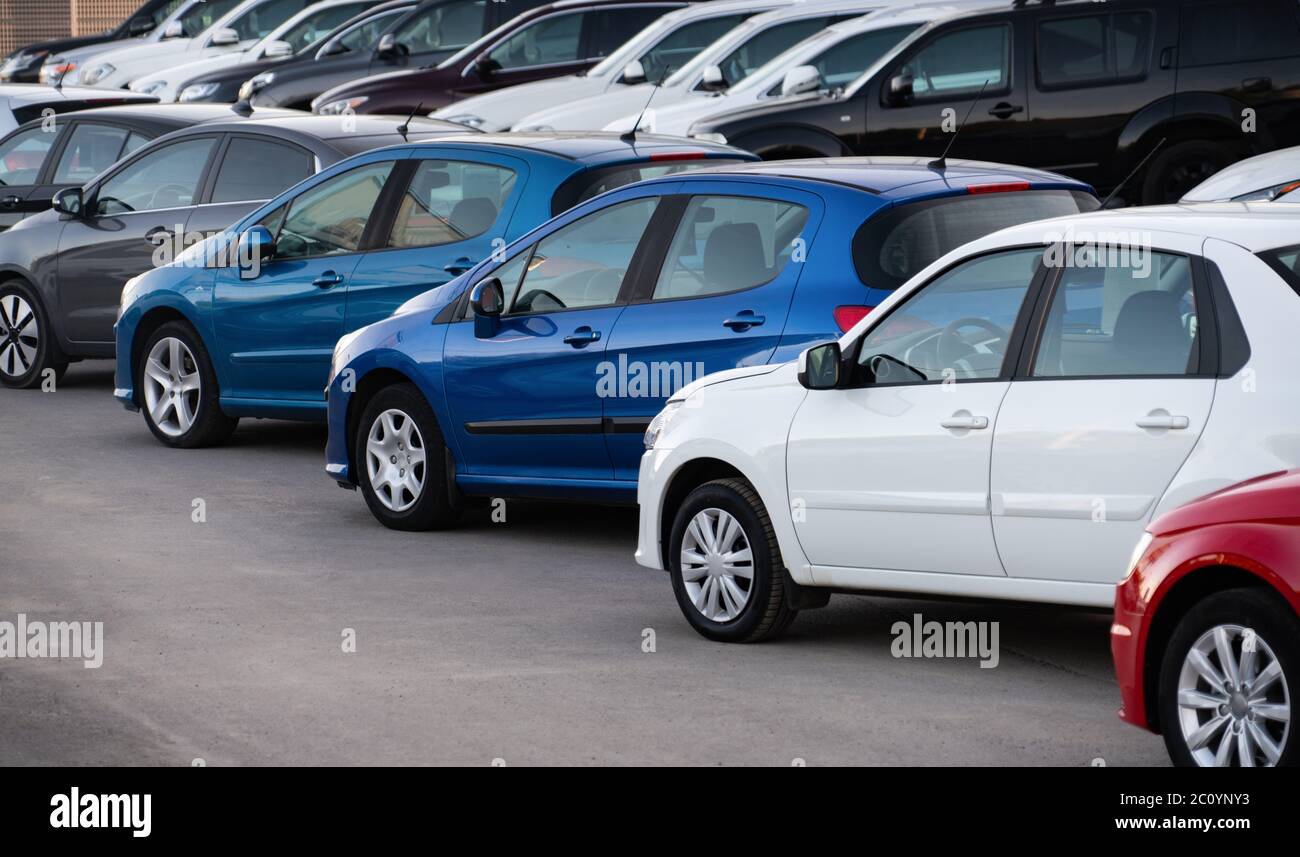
1206	636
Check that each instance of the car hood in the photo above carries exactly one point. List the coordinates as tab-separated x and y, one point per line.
137	57
600	110
676	119
724	377
503	108
429	84
173	76
1253	174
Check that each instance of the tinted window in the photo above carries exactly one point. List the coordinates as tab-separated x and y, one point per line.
737	65
443	27
681	45
891	247
584	263
1093	48
319	24
590	183
133	142
91	149
259	21
367	33
1287	264
1234	31
728	243
330	218
1134	317
260	169
841	65
611	28
22	155
449	201
204	15
167	177
960	62
550	40
163	12
955	327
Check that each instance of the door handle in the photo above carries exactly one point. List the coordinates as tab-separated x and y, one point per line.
582	337
1158	420
744	320
964	421
1003	110
1257	84
460	266
10	201
327	280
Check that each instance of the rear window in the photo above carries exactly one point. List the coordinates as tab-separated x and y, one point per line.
890	248
589	183
1286	262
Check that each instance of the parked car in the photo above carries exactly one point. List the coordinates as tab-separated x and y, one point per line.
24	64
305	28
548	41
724	63
23	102
1263	178
422	37
538	372
68	265
1035	396
341	251
668	43
1068	86
1206	634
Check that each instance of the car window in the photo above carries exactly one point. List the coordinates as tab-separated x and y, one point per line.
681	45
1232	31
319	24
593	182
450	201
845	62
91	149
610	28
204	15
1286	262
1093	48
330	218
583	264
367	33
258	22
765	45
167	177
956	327
260	169
959	63
133	142
22	155
447	26
164	11
555	39
729	243
1133	315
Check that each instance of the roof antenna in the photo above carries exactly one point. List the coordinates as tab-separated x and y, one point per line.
1142	163
406	126
630	134
941	162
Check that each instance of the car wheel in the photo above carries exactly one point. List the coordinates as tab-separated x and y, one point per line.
27	346
1181	167
401	462
179	391
1227	682
726	566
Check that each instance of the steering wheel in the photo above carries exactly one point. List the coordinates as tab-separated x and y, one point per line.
178	189
528	299
951	347
103	201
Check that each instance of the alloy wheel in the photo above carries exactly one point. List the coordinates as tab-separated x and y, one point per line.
172	386
395	460
717	565
20	336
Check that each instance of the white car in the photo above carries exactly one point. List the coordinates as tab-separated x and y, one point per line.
293	35
670	42
1003	426
23	102
827	60
231	32
724	63
1267	177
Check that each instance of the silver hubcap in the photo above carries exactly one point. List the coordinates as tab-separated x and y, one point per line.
171	387
717	565
395	460
1234	706
20	336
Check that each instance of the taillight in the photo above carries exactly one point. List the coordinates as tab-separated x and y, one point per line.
847	316
997	187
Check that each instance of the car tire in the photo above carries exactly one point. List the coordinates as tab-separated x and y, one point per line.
178	390
1181	167
1233	614
27	346
714	607
404	491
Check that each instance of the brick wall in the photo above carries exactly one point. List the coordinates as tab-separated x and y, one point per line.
26	21
96	16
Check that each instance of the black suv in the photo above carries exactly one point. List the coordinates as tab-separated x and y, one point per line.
1078	87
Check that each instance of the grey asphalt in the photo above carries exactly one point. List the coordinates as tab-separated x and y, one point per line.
519	641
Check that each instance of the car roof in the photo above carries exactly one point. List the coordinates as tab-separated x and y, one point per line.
174	115
335	127
39	93
586	145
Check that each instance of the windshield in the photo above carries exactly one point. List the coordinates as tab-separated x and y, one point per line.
707	57
839	64
757	48
661	51
257	22
318	24
202	15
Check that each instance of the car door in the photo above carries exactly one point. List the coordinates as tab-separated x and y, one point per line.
892	472
130	218
88	149
447	210
719	300
251	169
277	321
1102	413
551	46
947	70
522	392
23	157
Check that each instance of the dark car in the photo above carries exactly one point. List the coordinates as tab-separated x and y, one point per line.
548	41
1076	87
424	34
24	64
65	267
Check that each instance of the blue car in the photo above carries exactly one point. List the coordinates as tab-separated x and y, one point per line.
244	323
537	373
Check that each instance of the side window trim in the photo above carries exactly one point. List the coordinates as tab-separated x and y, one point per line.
385	211
55	154
143	152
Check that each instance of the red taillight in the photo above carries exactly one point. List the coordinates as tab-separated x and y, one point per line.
847	316
676	156
997	187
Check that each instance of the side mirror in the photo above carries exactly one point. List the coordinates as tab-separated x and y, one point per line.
713	81
67	201
801	79
223	38
485	66
390	48
819	367
256	245
277	48
900	87
633	72
488	301
174	30
139	26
